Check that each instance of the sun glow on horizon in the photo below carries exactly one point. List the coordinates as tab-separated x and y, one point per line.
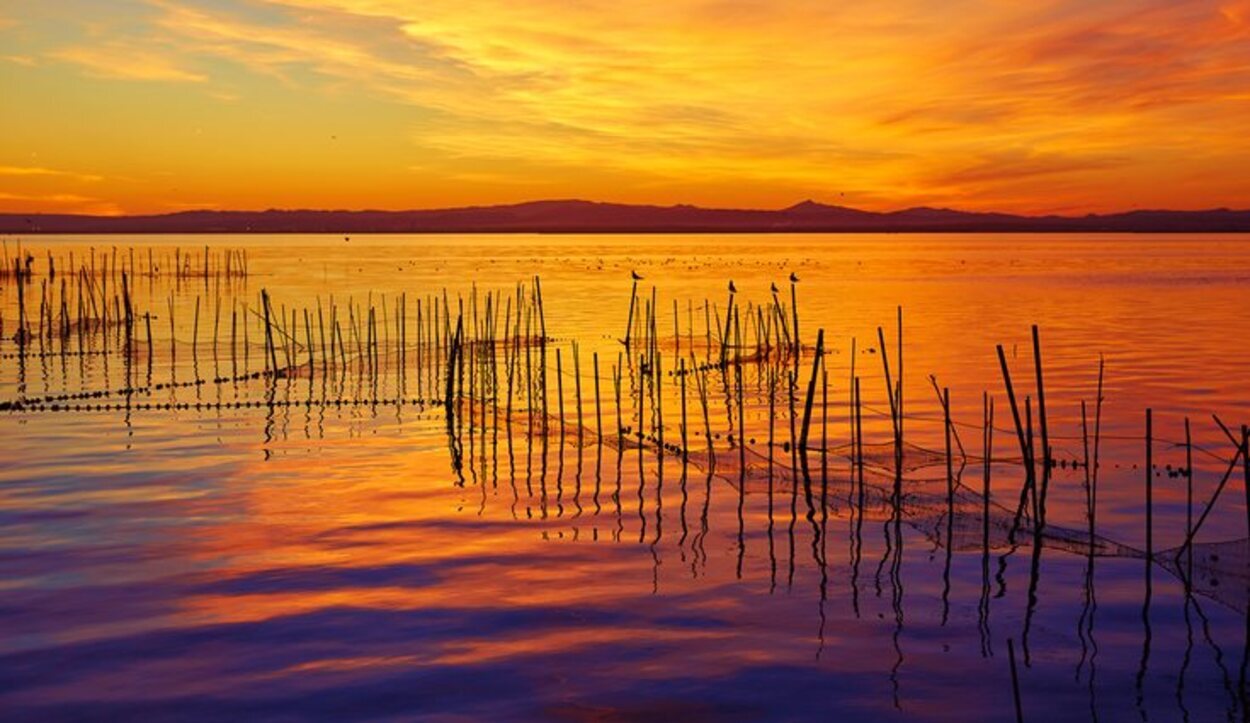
139	106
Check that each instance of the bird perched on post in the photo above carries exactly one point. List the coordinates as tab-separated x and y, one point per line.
773	288
633	299
732	289
794	311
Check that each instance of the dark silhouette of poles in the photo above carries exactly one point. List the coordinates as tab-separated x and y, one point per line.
1015	680
633	299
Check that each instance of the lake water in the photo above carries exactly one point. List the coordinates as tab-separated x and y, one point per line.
184	534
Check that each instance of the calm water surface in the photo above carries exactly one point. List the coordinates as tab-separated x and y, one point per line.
258	552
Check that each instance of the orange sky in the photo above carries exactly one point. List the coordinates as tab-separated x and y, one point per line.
131	106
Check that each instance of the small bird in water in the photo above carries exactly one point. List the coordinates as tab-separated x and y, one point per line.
635	275
732	289
794	278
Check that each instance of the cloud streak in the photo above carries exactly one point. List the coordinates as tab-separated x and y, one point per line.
47	172
128	62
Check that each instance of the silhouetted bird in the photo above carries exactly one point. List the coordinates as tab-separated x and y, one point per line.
794	278
636	276
773	287
732	289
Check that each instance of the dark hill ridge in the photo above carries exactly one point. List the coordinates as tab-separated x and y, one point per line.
575	216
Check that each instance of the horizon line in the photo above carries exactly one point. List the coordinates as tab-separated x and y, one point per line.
809	203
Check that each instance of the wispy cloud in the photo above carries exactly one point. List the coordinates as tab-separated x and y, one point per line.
128	62
49	197
55	203
38	171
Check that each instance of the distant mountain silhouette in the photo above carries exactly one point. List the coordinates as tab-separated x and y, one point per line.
575	216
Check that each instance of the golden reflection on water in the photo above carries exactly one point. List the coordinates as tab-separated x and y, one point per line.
258	553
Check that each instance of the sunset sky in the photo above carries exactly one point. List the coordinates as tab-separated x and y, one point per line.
132	106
